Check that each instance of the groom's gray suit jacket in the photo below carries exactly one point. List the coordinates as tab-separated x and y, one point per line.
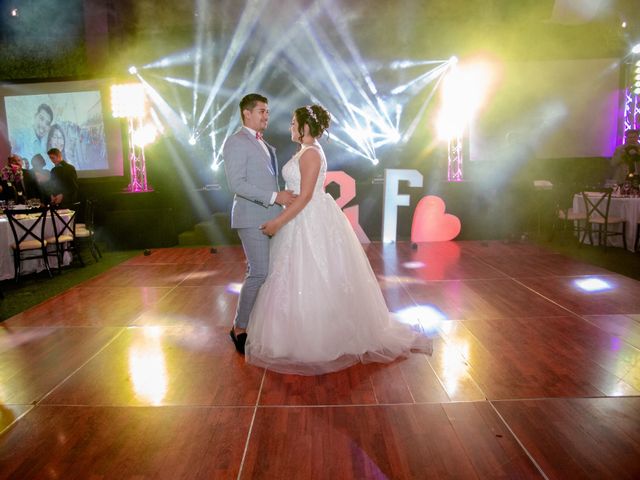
251	178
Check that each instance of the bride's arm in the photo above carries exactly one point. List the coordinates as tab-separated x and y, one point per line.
310	162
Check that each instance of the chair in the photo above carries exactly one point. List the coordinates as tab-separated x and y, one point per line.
28	237
597	205
64	233
85	232
564	214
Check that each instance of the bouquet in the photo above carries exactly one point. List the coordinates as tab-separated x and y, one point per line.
11	174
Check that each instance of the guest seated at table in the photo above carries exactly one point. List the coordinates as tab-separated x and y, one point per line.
41	178
18	185
63	186
626	157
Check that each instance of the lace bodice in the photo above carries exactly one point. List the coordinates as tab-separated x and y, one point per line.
291	170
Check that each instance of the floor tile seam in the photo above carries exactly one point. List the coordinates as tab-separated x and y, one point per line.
373	389
542	318
312	406
448	280
468	454
58	327
467	361
153	264
197	406
519	442
583	317
573	315
361	405
555	276
505	317
581	275
546	399
86	362
253	418
404	404
440	334
404	379
571	312
505	276
496	269
444	389
132	322
17	419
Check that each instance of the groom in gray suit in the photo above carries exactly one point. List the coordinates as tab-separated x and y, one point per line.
252	174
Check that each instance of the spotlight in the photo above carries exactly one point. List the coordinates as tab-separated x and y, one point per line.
636	91
192	140
636	48
453	60
375	161
133	70
215	167
14	12
145	135
128	100
624	25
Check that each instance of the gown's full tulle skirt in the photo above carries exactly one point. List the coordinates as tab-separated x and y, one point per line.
321	308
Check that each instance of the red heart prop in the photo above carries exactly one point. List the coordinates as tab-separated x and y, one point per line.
431	224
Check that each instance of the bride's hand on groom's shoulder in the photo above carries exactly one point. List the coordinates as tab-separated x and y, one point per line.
270	228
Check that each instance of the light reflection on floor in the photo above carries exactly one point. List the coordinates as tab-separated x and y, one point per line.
593	284
147	366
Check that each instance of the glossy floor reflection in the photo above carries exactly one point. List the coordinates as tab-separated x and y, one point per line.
535	374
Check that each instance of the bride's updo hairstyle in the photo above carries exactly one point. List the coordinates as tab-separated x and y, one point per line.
316	117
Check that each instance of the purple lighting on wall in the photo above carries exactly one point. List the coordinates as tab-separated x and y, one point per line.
631	110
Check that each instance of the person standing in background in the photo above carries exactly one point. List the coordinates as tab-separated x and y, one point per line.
64	180
626	157
41	177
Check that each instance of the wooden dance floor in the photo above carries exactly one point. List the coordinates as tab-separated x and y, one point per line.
131	375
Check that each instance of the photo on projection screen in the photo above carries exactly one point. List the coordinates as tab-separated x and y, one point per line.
70	116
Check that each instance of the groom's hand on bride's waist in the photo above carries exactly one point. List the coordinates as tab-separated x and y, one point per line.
285	197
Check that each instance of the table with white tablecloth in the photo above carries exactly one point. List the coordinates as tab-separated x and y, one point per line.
627	208
29	266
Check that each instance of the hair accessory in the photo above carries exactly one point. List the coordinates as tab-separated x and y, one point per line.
311	113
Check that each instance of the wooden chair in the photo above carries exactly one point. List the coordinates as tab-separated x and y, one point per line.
597	203
64	233
565	217
85	232
29	241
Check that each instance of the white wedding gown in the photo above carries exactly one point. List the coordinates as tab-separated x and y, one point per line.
321	308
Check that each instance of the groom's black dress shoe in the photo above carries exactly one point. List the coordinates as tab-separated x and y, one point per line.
238	340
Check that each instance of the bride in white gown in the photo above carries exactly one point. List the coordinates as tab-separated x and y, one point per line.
321	308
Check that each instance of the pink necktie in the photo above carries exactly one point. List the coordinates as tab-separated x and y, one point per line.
259	135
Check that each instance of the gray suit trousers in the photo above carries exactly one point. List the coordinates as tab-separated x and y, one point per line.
256	249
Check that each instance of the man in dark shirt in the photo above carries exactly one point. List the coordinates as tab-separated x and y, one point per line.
64	180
